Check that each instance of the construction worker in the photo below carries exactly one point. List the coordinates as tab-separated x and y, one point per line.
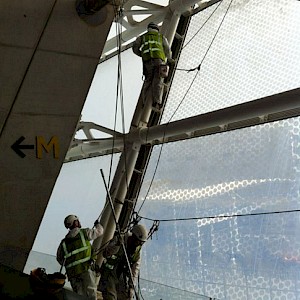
116	282
75	253
155	51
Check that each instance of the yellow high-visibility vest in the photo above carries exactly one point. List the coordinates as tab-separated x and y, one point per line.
152	46
77	254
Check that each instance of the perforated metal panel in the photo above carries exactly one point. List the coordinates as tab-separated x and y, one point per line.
252	173
255	53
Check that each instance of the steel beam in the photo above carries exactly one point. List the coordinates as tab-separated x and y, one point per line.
271	108
267	109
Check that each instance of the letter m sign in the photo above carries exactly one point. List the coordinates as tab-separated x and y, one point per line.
51	146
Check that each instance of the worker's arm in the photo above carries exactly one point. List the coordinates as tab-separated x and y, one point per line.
135	269
136	46
167	48
59	255
94	233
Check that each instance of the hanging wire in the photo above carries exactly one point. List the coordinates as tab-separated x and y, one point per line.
139	287
215	35
119	95
153	229
119	88
178	289
120	18
118	230
223	216
116	111
202	25
178	106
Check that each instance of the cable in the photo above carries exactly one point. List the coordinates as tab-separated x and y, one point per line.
202	26
223	216
120	17
113	145
198	67
119	233
119	88
193	80
172	287
150	185
160	152
139	287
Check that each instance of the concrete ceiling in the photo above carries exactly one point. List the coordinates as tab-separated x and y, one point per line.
48	59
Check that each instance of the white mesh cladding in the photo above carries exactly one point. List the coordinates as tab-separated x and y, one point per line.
248	171
256	53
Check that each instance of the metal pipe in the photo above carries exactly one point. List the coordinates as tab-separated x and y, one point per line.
287	102
258	108
118	192
170	25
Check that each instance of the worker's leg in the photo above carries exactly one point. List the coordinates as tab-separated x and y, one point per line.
157	82
153	85
147	86
76	284
89	284
157	89
108	286
123	289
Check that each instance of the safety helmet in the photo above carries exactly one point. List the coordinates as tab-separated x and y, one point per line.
140	232
153	26
69	220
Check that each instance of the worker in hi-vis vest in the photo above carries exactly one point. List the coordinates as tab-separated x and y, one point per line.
75	253
116	282
155	51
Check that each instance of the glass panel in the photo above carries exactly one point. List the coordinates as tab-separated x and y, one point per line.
251	174
255	53
100	105
46	261
79	190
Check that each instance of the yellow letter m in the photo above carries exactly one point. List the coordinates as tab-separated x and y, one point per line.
41	145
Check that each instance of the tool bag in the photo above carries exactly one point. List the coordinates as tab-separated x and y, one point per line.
42	282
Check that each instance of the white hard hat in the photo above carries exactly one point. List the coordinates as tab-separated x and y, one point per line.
69	220
140	232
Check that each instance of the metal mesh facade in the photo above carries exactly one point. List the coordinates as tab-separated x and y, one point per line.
251	172
255	53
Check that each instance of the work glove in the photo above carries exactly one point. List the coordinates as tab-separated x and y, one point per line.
96	223
171	61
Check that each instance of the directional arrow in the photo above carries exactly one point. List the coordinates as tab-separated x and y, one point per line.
17	147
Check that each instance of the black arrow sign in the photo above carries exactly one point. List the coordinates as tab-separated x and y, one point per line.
17	147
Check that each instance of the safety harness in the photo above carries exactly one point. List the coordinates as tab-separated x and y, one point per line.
112	261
